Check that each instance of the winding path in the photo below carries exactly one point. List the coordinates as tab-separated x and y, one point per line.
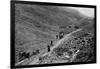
66	37
36	59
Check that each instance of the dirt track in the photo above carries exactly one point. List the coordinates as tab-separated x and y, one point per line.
34	60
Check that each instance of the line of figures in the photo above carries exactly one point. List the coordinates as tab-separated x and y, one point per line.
25	55
59	36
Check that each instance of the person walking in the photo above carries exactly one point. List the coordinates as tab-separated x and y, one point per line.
61	35
48	48
51	43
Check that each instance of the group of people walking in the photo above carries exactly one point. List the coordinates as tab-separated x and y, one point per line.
59	36
24	55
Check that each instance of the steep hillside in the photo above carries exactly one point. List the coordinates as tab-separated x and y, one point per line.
37	25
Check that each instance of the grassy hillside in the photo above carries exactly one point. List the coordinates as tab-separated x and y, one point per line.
37	25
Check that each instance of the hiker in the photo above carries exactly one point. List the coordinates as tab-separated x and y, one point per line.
23	54
27	55
51	43
57	37
61	34
48	48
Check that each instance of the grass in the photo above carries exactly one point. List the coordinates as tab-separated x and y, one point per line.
37	25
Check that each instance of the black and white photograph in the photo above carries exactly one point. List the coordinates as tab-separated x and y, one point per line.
50	34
